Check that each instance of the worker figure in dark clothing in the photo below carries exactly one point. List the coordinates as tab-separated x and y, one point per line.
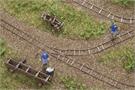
44	59
114	30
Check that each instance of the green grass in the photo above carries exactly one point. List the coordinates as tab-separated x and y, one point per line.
124	56
2	48
125	2
15	80
77	24
129	62
72	84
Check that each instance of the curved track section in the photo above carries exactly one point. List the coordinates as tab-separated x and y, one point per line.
82	67
22	34
82	52
99	48
87	70
90	6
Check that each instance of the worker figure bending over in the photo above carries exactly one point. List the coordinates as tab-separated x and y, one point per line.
114	30
44	59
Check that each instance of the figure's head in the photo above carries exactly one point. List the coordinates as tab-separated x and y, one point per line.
113	22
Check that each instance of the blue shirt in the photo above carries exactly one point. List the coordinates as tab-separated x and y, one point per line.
44	57
114	28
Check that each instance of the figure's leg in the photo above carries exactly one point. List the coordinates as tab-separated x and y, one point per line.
44	67
113	36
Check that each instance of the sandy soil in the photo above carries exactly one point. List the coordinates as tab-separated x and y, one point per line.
62	69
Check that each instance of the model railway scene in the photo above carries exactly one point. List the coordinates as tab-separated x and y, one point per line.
67	44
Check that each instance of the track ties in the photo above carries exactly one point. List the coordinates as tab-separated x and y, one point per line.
63	58
129	34
102	46
90	6
115	84
131	20
72	62
89	51
91	72
82	66
60	51
74	52
112	17
79	52
27	69
68	60
58	57
121	19
98	49
83	2
37	74
100	10
120	37
109	15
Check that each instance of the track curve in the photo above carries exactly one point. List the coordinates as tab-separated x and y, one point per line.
72	62
90	6
89	71
99	48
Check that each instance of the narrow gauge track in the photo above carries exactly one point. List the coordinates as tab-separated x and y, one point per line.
82	67
23	34
91	72
90	6
99	48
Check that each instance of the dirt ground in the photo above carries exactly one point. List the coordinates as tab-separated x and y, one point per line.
62	69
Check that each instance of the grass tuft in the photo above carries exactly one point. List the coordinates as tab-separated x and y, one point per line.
15	80
129	62
124	56
77	24
2	48
72	84
125	2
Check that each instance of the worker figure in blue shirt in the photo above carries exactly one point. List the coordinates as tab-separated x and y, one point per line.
44	59
114	30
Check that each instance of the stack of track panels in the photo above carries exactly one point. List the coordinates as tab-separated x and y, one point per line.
27	70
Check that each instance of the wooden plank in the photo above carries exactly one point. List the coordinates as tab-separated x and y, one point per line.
121	19
112	17
27	69
17	65
74	52
100	11
92	6
102	46
37	74
89	51
83	2
53	19
119	37
130	20
47	78
129	34
72	62
109	15
79	52
82	66
98	49
68	60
